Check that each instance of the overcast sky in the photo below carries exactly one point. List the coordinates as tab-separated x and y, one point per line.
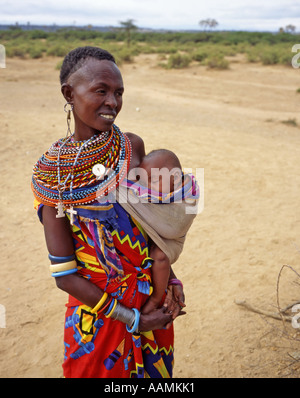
261	15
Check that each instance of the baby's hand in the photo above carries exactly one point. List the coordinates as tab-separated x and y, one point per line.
175	300
178	295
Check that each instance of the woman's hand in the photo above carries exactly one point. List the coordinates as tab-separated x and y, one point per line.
164	316
156	319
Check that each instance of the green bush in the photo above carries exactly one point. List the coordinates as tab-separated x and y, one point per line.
270	58
215	62
15	51
286	59
166	49
290	122
124	55
200	56
178	61
37	34
252	56
59	64
58	50
35	53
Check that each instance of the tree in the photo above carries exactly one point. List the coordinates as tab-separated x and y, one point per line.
128	27
208	23
290	28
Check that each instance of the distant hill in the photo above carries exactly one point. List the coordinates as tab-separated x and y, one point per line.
55	28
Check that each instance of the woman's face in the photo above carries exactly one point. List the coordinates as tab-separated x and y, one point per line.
95	91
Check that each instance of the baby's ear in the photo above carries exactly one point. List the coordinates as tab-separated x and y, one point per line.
177	177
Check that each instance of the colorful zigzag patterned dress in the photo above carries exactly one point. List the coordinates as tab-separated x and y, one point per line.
96	346
99	346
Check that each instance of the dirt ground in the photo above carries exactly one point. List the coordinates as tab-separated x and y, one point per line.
237	125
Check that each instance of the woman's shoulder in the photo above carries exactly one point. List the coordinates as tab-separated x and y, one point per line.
136	141
138	148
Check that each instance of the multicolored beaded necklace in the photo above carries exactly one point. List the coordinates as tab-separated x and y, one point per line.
63	177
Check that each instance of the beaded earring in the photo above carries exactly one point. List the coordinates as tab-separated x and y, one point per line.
68	111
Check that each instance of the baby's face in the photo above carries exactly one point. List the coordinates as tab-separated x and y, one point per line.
159	176
160	180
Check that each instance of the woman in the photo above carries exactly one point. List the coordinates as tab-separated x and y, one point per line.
98	253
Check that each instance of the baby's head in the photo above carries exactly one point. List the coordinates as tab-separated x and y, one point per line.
163	169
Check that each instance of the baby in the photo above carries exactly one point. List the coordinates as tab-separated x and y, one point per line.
164	175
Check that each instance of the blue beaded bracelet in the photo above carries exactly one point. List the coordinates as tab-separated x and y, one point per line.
61	259
63	273
136	321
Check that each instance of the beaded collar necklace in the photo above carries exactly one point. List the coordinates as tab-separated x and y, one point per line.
63	177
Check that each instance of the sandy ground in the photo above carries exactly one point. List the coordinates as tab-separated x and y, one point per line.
230	124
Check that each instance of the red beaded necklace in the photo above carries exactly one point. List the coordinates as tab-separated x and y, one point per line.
64	174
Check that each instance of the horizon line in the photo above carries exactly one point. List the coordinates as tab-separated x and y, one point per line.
30	26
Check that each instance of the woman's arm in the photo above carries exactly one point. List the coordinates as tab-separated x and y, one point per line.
60	243
138	149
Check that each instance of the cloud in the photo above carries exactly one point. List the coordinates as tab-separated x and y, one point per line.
83	12
236	14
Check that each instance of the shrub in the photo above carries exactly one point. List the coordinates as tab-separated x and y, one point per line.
166	49
252	56
290	122
178	61
15	51
37	34
286	59
35	53
59	64
123	55
269	58
57	51
217	63
200	56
